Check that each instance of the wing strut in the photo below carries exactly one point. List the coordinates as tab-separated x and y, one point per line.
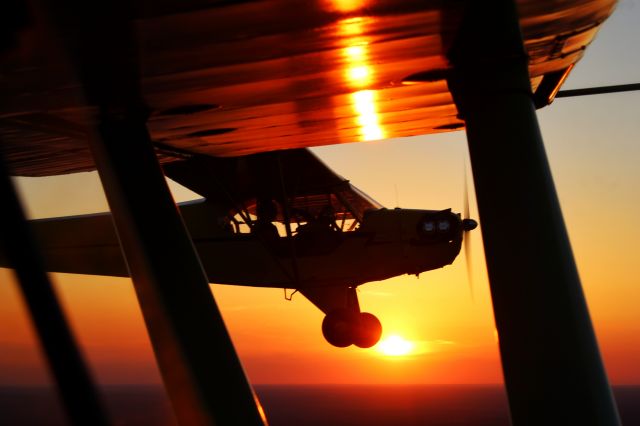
552	367
77	391
287	224
202	373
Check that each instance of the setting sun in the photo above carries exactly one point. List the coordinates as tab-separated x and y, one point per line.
395	346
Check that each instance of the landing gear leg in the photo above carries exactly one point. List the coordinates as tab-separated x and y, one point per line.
344	324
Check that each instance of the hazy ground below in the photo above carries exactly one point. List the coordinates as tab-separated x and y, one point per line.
308	405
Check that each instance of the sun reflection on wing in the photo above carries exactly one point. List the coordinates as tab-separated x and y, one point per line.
344	6
356	52
350	27
358	72
395	346
365	106
359	75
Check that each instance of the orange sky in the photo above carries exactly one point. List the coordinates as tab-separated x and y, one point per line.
281	342
593	149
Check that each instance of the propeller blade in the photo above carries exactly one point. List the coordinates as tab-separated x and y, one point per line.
466	195
598	90
466	236
467	255
468	224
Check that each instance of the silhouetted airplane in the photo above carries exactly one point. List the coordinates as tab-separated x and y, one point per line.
334	238
184	82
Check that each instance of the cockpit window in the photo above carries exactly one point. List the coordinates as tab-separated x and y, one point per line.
340	211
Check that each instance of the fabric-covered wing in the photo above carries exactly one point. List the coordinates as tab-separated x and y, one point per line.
231	78
88	244
296	175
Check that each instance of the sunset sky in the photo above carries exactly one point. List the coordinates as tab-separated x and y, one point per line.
594	151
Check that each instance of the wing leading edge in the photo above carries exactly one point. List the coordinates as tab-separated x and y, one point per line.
296	177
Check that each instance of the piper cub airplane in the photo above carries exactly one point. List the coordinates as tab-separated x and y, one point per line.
331	237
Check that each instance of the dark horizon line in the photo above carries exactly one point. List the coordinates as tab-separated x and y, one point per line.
160	385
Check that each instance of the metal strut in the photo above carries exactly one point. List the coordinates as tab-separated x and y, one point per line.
202	373
76	388
287	223
78	393
552	367
289	297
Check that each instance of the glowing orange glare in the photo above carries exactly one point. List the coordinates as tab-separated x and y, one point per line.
395	346
359	75
263	416
344	6
356	53
350	27
364	103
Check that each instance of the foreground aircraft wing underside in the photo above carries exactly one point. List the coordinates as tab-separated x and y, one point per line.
237	78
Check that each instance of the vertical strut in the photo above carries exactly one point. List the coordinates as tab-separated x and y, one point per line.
77	391
202	373
551	363
199	366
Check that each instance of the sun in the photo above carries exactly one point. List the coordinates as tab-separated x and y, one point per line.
395	346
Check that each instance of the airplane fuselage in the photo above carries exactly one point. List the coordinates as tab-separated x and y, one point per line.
388	243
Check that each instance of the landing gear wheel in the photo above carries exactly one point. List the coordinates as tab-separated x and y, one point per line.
367	330
338	327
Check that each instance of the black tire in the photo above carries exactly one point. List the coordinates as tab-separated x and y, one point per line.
368	330
338	327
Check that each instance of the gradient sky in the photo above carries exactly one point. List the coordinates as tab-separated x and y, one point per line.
593	149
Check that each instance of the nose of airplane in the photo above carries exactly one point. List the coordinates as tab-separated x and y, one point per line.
469	224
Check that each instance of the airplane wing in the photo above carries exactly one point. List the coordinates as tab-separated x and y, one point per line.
297	176
88	244
226	78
